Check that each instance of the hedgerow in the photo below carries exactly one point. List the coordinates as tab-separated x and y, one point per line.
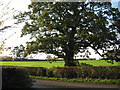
95	72
15	78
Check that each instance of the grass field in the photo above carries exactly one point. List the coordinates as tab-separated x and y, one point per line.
55	64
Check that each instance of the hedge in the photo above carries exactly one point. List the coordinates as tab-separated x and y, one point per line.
95	72
36	71
15	78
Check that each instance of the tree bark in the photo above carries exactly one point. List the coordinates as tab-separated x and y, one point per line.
69	61
69	54
69	49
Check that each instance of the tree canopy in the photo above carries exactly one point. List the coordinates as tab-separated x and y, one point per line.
66	28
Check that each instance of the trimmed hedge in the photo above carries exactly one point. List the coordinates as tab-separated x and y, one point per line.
65	72
95	72
37	71
15	78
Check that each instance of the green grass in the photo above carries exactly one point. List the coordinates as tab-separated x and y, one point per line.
99	63
85	80
54	64
33	63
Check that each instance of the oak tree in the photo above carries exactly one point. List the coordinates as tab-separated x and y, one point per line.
66	28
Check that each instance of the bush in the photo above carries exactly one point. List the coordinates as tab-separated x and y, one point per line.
105	72
15	78
84	72
49	72
37	71
6	58
65	72
84	64
95	72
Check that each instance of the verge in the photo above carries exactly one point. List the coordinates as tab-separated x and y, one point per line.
85	80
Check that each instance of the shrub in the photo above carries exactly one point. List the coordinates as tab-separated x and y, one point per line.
37	71
84	72
65	72
95	72
6	58
84	64
105	72
49	72
42	71
15	78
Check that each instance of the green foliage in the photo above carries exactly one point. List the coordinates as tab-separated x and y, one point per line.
18	52
2	46
37	71
87	72
65	72
95	72
64	29
76	74
49	72
50	59
15	78
84	64
113	55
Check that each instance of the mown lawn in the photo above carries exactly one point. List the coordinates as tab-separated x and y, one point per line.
33	63
100	63
54	64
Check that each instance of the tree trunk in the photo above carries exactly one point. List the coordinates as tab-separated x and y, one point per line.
69	61
69	49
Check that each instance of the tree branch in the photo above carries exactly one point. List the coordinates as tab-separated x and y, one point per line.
6	27
96	50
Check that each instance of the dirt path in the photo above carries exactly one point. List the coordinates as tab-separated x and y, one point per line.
59	84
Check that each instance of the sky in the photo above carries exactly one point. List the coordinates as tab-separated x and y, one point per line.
13	35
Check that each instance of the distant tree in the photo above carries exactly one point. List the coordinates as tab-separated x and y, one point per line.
51	58
112	55
18	52
64	29
6	58
2	47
